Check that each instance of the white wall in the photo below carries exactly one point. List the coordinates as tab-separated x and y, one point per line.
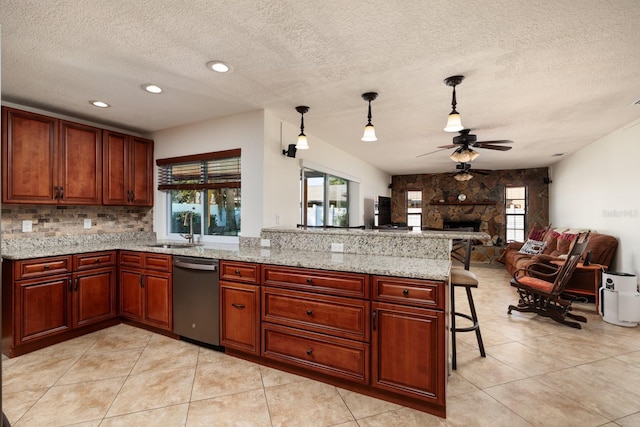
270	180
597	188
244	131
282	173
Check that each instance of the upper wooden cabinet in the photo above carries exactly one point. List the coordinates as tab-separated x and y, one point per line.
49	161
128	170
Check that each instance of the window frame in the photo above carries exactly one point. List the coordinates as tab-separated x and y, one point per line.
326	202
414	214
517	231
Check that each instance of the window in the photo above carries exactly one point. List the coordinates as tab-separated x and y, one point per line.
414	209
207	185
515	209
325	199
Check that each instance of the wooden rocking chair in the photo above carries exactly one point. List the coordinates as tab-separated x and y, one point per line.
541	287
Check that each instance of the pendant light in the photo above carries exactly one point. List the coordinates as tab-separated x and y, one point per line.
369	131
302	138
464	155
454	122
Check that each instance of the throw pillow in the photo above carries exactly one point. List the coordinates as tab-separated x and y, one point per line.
538	233
532	247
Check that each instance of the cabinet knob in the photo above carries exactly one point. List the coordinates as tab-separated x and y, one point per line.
309	352
405	292
237	272
46	266
97	260
309	312
309	281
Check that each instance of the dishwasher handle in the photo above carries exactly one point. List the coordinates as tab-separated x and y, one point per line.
193	266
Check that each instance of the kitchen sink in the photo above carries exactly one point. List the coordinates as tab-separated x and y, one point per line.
174	245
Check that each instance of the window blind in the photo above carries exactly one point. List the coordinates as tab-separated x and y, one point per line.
220	169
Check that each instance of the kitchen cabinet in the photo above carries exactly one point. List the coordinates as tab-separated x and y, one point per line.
408	340
146	291
240	306
128	170
48	300
50	161
317	320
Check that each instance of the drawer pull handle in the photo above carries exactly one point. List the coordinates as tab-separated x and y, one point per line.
309	312
46	266
237	272
405	292
236	305
309	352
373	319
97	260
309	281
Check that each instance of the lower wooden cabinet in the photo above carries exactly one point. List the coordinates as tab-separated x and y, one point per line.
240	306
145	290
47	300
408	351
240	316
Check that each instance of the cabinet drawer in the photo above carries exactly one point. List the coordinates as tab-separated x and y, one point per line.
325	282
240	272
40	267
94	260
131	259
343	317
422	293
334	356
157	262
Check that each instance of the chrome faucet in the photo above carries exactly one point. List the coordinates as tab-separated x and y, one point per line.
188	216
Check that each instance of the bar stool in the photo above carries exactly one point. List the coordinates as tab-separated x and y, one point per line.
462	277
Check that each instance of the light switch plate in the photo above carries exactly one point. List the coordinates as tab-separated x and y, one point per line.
337	247
265	243
27	226
87	223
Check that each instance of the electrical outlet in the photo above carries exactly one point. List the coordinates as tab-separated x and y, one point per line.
337	247
265	243
87	223
27	226
277	219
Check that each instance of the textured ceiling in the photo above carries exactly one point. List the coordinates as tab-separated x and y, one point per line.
552	76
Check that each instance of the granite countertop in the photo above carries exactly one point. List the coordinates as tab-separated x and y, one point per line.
419	268
424	234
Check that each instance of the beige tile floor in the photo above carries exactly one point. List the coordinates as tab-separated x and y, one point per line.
536	373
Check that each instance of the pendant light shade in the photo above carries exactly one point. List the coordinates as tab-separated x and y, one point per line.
462	176
302	143
369	131
464	155
454	122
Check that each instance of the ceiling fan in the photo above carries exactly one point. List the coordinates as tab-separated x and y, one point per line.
463	174
466	140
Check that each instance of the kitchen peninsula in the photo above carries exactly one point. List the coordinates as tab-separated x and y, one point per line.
372	318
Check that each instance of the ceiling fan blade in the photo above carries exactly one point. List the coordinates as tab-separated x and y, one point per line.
497	141
430	152
493	147
449	146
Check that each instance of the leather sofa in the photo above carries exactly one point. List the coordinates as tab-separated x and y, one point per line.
600	249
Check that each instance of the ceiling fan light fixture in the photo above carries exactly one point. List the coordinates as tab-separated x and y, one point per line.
369	134
302	143
454	121
463	176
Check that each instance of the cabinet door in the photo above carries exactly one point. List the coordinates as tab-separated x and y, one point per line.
94	296
141	172
42	307
409	351
80	176
115	183
29	156
130	299
240	316
158	303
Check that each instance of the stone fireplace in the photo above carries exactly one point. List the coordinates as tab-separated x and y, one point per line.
482	208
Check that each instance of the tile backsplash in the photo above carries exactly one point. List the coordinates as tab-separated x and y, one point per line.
54	221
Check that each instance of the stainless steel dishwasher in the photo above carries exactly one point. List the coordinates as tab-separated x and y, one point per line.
196	300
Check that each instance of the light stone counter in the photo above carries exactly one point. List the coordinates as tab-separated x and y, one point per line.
382	264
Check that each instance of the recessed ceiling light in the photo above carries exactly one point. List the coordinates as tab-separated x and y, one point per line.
99	104
151	88
219	66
